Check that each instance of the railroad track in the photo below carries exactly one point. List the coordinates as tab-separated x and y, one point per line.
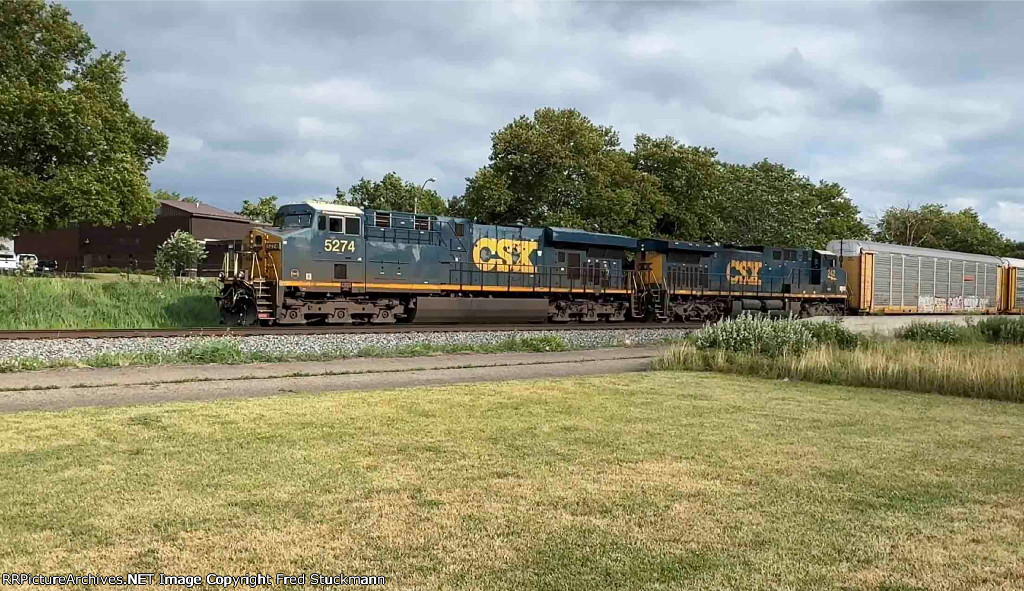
247	331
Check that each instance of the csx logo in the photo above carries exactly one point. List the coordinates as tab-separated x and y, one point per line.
493	254
745	272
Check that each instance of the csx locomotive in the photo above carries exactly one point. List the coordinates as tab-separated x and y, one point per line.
336	264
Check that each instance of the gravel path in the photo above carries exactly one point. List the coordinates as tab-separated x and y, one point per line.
339	344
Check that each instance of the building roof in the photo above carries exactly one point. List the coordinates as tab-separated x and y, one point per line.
202	210
854	247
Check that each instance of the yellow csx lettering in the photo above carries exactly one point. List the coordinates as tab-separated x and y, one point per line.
831	275
335	245
492	254
745	272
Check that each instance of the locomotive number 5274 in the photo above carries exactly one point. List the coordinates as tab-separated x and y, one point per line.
335	245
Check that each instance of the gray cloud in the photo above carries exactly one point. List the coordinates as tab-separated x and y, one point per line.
900	103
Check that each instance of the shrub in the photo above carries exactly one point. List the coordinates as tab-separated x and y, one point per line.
831	332
1002	330
178	253
756	334
937	332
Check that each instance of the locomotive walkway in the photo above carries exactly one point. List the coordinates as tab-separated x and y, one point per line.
62	389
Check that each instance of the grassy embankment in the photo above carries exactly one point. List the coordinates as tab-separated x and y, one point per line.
229	351
660	480
28	303
982	360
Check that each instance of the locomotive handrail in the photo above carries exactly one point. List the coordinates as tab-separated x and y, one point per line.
543	278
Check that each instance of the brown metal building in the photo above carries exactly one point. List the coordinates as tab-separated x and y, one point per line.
88	247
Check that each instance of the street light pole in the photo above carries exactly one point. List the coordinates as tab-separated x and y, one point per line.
416	197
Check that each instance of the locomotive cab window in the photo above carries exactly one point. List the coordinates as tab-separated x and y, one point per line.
337	224
321	223
776	255
352	226
460	230
294	220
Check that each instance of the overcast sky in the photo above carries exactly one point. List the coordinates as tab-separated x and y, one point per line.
900	103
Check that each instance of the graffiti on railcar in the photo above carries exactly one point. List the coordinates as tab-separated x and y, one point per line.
953	304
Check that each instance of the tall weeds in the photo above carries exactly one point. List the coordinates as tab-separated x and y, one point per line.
28	303
981	371
974	370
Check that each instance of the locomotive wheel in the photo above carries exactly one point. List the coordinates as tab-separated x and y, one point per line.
243	313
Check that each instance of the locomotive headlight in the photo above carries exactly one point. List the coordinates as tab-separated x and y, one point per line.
294	273
220	276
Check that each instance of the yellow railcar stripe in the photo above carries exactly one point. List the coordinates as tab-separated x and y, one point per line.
757	294
526	289
447	287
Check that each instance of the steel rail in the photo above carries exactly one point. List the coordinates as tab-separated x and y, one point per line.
247	331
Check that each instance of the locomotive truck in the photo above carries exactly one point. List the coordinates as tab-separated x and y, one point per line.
337	264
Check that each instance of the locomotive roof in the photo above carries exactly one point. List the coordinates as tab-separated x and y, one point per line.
334	208
854	247
571	236
659	244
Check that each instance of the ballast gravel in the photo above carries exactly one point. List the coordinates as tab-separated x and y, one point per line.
341	345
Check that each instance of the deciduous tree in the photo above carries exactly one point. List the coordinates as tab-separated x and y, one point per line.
263	210
931	226
161	194
71	148
558	168
391	193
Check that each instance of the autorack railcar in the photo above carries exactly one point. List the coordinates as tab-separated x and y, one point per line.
897	279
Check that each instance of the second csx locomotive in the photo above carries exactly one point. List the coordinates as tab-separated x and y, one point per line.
327	263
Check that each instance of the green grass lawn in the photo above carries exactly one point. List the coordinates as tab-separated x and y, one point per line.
665	480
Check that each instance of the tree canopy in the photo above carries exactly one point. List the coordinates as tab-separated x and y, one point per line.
560	169
391	193
161	194
931	226
263	210
71	149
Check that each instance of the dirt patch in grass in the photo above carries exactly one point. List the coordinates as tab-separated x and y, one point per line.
658	480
